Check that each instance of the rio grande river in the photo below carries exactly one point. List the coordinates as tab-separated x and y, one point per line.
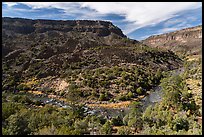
151	99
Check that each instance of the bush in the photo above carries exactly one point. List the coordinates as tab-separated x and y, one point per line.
124	131
180	124
117	121
139	90
102	97
106	128
21	99
130	94
49	90
73	94
22	87
198	84
18	125
8	109
38	103
122	98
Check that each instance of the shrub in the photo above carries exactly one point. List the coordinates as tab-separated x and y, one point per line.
102	97
38	103
130	94
124	131
198	84
50	90
8	109
122	98
106	128
180	124
18	125
139	90
116	121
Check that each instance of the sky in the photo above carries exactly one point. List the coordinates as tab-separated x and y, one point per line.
137	20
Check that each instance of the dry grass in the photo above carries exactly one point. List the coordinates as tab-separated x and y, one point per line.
35	92
122	104
49	96
112	105
196	90
31	82
193	85
193	57
117	127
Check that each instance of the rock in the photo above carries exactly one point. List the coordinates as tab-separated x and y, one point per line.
27	26
187	40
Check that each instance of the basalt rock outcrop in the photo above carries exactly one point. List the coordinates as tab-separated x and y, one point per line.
26	26
187	41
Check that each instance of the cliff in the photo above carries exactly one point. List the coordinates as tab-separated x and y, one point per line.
27	26
187	40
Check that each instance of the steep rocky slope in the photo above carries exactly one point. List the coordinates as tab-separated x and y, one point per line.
47	49
187	40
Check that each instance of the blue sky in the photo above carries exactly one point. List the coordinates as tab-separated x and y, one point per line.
138	20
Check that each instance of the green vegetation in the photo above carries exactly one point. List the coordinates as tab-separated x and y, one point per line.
105	82
22	119
110	75
177	113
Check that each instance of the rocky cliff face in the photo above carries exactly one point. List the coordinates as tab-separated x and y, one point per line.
26	26
74	35
187	40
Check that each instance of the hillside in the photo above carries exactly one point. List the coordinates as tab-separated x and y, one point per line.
72	51
188	41
83	77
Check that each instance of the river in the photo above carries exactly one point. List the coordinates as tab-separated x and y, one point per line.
151	99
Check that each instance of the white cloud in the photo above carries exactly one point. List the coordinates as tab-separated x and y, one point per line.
165	30
142	14
10	4
137	14
175	28
172	22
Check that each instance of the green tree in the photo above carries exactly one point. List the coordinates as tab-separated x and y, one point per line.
94	125
124	131
18	125
102	97
106	128
116	121
130	94
134	117
73	94
139	90
9	108
50	130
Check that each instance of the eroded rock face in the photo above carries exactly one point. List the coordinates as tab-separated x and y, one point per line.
186	40
26	26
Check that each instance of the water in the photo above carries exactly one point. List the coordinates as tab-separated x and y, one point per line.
151	99
107	113
46	100
156	95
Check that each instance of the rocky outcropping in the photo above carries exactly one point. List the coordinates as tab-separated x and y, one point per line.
187	40
27	26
